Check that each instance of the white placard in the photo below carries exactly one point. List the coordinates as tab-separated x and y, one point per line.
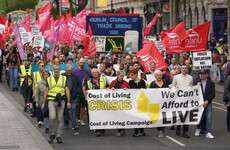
21	30
159	46
202	60
26	37
38	43
132	36
140	108
35	30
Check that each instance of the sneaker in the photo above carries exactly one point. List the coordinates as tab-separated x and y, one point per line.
82	123
75	127
160	135
209	136
47	130
135	134
40	124
123	132
25	109
197	133
52	137
59	140
142	134
118	134
78	121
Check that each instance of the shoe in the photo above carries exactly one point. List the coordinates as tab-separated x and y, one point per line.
25	109
172	128
78	121
178	132
214	79
40	124
82	123
209	136
59	140
142	134
221	81
197	133
185	134
123	132
52	137
75	127
33	114
13	89
16	89
98	133
118	134
47	130
160	135
135	134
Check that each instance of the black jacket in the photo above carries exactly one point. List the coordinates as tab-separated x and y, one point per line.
76	85
210	90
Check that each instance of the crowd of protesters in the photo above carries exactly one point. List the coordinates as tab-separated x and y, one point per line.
38	88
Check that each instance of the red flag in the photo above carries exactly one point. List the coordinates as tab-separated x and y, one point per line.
149	26
90	47
2	20
74	30
67	15
49	34
149	54
172	39
81	17
2	42
196	38
26	24
61	22
44	15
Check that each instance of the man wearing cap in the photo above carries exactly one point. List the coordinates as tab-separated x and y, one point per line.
208	90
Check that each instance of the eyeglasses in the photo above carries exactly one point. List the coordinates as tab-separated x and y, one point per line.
42	65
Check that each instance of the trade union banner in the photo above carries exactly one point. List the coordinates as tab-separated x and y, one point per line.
135	108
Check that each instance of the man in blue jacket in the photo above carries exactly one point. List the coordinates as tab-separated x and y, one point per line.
208	90
74	86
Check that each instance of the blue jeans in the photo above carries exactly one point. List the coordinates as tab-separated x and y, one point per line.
207	117
73	114
46	122
221	75
13	77
39	114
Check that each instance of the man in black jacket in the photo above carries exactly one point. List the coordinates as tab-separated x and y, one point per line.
74	86
208	90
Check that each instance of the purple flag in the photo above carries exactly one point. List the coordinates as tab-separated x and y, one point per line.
18	41
54	43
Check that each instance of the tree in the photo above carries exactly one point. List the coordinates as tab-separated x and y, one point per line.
11	5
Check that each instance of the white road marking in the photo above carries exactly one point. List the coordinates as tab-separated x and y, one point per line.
174	140
219	108
217	103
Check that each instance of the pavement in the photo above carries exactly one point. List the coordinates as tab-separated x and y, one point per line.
19	131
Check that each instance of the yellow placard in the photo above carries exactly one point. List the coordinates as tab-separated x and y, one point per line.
101	3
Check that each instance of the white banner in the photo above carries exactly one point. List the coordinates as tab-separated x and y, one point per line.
135	108
202	60
21	30
35	30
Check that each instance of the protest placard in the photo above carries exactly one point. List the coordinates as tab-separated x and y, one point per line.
202	60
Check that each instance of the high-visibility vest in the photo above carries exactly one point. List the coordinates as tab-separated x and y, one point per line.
37	79
220	49
102	83
23	72
56	87
190	59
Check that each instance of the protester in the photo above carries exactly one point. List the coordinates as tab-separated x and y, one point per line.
119	83
40	88
97	83
137	83
109	71
216	63
81	72
226	99
14	63
182	80
152	68
208	90
74	87
56	91
173	63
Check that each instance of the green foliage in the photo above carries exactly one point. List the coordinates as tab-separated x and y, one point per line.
11	5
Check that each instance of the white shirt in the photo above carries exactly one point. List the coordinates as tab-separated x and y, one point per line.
181	80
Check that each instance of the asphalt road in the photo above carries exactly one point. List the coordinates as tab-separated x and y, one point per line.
86	139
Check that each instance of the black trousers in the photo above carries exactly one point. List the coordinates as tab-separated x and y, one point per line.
185	128
1	66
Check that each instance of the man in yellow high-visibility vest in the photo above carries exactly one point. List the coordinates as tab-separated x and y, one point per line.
25	74
56	92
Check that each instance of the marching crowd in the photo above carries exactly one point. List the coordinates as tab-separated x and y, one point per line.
53	97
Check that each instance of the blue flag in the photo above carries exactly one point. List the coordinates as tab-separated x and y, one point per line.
128	48
47	44
109	54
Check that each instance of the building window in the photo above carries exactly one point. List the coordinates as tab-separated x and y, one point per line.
204	13
197	16
190	17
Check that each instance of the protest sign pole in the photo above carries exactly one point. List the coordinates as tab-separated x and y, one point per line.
175	22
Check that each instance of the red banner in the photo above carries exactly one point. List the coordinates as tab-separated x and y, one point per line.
172	39
196	38
49	34
90	47
149	26
149	54
81	17
44	15
145	42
